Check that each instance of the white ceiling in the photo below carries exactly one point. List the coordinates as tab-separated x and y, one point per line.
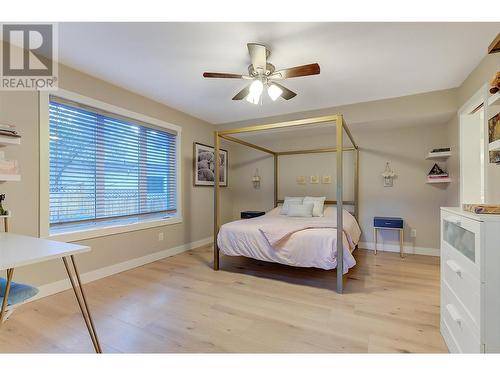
359	61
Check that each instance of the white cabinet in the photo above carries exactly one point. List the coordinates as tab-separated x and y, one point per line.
470	281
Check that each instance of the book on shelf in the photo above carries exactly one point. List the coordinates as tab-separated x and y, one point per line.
442	149
9	133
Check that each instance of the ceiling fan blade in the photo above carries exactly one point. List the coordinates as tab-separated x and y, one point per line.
221	75
258	55
297	71
287	94
242	94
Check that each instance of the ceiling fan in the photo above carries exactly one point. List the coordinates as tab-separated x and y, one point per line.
263	74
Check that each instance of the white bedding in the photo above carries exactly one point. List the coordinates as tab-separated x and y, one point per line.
311	247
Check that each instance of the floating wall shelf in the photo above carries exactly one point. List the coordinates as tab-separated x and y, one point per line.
6	140
10	177
438	155
438	180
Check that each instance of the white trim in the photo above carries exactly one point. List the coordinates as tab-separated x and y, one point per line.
407	247
44	201
479	97
85	234
81	99
44	170
64	284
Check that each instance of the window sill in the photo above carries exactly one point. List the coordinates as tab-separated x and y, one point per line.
95	230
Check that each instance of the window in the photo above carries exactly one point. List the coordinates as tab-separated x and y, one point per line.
104	167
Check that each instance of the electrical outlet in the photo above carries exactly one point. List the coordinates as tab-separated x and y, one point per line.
161	236
413	233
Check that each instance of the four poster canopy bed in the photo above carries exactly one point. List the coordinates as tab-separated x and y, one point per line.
301	232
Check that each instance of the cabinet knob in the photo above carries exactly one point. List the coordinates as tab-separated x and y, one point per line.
454	314
454	267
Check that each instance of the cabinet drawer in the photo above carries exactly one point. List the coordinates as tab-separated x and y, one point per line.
457	321
456	273
463	236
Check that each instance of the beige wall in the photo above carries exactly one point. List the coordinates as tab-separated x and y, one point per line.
21	109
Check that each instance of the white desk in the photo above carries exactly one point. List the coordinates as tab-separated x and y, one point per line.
17	251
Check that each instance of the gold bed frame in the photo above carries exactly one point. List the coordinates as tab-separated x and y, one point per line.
339	149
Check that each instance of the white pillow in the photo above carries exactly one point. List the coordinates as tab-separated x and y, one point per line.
301	210
319	202
288	201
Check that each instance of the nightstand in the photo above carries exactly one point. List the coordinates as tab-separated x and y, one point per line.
251	214
389	223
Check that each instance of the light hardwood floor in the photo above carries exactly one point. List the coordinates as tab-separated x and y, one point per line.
180	304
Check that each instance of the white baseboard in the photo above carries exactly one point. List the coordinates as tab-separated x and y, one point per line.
408	248
61	285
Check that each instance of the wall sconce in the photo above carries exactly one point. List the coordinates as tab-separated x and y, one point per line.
256	179
388	175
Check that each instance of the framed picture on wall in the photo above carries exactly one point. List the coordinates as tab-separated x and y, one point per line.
493	135
204	165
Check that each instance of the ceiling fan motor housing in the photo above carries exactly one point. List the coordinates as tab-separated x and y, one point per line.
254	73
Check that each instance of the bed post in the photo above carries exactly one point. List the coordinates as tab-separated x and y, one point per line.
339	123
275	180
356	184
216	198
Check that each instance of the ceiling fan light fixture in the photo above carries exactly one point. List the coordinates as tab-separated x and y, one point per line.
255	92
274	92
254	99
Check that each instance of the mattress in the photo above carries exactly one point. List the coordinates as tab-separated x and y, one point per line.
310	247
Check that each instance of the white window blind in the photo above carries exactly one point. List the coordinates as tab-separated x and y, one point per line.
104	166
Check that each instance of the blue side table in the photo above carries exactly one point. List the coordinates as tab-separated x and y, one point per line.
389	223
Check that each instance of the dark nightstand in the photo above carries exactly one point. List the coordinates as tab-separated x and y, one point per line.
251	214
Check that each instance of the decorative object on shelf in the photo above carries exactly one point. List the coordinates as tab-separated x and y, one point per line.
8	167
495	84
327	180
493	209
9	131
437	174
442	149
256	179
494	135
439	153
3	212
388	175
204	166
314	179
301	180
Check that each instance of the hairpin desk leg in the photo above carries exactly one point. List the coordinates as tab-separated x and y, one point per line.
10	273
82	302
